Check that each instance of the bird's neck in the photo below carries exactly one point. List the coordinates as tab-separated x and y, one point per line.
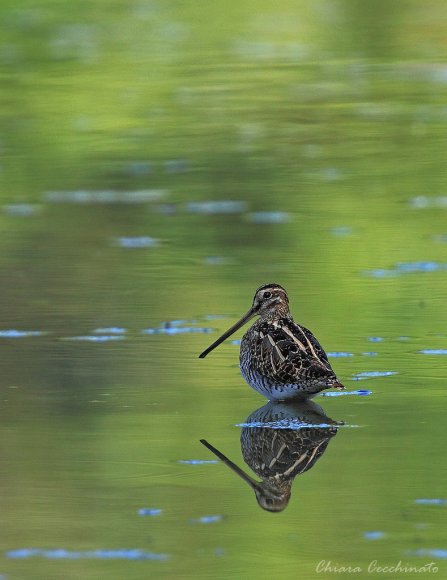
282	311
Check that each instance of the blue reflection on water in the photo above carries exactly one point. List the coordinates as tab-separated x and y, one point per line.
359	392
268	217
375	535
215	261
290	423
197	461
406	268
381	273
419	266
339	354
19	333
341	231
63	554
433	351
369	374
149	512
207	520
431	501
110	330
168	329
434	552
104	196
96	338
173	166
139	168
137	242
20	209
216	207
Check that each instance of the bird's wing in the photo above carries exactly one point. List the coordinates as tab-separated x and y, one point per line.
288	351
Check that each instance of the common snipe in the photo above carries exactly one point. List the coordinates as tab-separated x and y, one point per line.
279	358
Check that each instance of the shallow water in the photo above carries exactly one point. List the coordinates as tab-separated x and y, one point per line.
159	163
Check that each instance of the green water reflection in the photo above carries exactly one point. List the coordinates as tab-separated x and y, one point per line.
123	128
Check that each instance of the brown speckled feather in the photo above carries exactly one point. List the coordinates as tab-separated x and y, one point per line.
286	350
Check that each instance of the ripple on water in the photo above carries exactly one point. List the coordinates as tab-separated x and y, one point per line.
358	392
139	168
215	261
341	231
176	327
207	519
20	209
424	201
110	330
173	166
433	351
63	554
137	242
406	268
216	207
373	535
433	552
371	374
197	461
149	512
430	501
214	317
268	217
339	354
95	338
380	273
104	196
292	423
12	333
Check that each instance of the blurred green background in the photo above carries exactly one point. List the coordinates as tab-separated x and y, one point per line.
159	162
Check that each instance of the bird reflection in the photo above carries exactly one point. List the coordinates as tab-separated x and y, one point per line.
280	441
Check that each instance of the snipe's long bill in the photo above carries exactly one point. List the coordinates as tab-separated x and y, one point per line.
279	358
270	497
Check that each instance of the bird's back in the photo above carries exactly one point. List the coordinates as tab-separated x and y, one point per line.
280	353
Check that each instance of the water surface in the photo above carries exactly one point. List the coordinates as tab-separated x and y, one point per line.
160	161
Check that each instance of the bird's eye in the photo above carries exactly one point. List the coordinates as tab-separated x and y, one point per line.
267	295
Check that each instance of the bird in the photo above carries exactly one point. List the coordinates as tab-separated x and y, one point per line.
280	441
279	358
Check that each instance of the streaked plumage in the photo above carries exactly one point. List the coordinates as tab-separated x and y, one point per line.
280	359
276	453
